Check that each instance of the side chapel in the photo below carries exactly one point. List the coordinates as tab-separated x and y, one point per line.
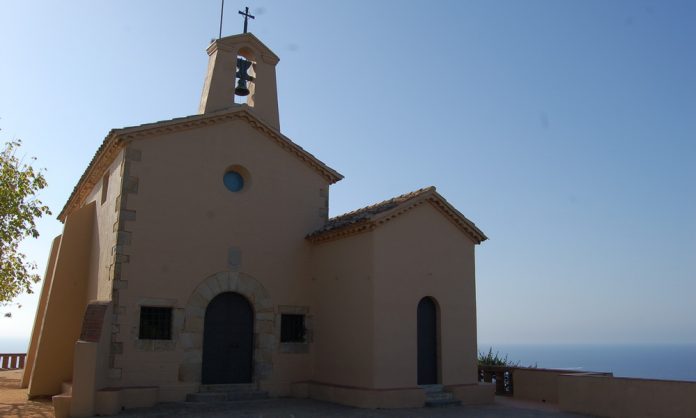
198	261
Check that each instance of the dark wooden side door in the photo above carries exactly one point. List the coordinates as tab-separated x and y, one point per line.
427	342
228	340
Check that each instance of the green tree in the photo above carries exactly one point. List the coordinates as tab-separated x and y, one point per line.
19	210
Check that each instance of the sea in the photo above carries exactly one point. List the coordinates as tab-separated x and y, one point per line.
648	361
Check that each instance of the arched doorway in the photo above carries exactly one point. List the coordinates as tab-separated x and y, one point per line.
228	340
427	342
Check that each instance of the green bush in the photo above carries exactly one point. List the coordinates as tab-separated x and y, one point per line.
496	359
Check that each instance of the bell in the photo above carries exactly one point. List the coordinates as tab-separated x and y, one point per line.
241	89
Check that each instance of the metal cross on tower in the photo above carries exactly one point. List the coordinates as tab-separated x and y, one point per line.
246	15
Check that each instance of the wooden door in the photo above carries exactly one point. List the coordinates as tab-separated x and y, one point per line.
228	340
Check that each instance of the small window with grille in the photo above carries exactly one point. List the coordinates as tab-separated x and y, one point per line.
292	328
155	323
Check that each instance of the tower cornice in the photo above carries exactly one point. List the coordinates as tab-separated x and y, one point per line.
231	44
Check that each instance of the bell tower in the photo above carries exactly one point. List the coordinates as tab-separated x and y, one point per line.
241	66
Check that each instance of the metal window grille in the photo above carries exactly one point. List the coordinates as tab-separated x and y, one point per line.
292	328
155	323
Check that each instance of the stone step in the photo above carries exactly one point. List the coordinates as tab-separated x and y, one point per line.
206	397
61	405
431	388
439	403
66	388
227	396
438	396
231	387
247	396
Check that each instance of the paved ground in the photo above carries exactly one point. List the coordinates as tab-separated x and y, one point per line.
13	400
14	404
304	408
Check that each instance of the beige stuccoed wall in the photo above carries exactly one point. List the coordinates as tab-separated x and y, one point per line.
540	385
417	254
608	396
342	287
186	221
104	235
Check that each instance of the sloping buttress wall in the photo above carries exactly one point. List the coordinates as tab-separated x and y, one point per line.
65	306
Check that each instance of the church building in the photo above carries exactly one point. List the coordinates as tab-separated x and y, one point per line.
198	262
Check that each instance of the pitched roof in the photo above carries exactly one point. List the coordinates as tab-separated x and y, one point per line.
370	217
116	139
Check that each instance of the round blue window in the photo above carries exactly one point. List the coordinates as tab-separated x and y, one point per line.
233	181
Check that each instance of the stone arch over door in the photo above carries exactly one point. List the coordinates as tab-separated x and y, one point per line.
191	337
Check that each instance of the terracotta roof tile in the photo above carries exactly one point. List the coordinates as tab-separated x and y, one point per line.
368	212
369	217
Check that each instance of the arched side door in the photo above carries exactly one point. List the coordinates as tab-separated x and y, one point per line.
427	342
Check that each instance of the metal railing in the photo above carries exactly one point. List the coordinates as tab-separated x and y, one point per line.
12	361
501	375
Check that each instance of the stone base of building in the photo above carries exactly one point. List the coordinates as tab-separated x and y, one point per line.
111	401
61	405
473	394
360	397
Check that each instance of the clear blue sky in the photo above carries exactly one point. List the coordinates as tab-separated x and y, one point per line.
565	129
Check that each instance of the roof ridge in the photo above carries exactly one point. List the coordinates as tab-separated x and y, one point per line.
176	119
369	217
394	200
117	138
367	213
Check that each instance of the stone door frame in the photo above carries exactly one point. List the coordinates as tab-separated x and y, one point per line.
264	329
